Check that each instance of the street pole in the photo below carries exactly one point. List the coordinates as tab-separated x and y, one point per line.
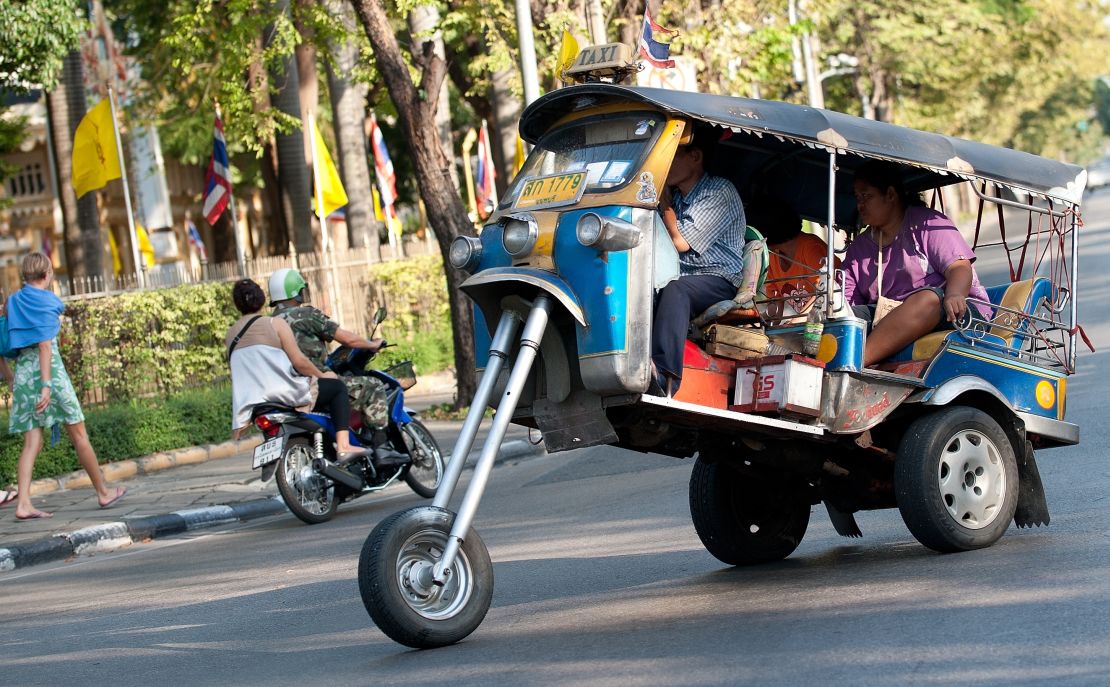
140	270
527	52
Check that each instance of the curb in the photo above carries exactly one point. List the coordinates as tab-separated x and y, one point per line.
155	462
115	535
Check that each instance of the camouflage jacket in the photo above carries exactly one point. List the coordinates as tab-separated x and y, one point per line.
312	329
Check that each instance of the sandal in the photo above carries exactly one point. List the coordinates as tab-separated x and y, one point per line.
120	491
8	495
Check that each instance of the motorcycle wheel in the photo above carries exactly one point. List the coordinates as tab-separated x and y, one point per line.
393	579
310	495
426	471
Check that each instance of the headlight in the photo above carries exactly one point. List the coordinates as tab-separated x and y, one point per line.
465	253
519	235
607	233
588	229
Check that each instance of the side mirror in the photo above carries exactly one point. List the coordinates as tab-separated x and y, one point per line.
379	315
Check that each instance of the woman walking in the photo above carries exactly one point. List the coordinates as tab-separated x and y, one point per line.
42	394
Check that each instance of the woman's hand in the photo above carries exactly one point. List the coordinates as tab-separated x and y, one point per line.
44	400
954	307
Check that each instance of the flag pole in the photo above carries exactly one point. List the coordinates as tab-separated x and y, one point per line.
140	268
240	255
325	241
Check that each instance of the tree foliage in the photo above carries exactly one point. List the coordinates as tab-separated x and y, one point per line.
35	35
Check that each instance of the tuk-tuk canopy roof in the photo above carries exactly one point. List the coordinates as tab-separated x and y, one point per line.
940	160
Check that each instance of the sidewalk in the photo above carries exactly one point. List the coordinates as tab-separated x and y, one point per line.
168	499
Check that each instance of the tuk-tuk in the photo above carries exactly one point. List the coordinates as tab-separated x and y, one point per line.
564	275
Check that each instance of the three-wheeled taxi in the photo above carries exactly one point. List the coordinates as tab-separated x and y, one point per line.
563	277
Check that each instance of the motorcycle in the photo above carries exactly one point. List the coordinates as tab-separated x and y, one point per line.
300	446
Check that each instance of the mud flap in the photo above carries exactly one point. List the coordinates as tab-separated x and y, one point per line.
577	422
1032	506
844	523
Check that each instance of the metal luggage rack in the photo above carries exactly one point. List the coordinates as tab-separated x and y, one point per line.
1045	339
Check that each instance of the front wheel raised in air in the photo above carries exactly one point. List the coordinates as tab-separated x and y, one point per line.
743	519
956	479
308	494
426	470
394	579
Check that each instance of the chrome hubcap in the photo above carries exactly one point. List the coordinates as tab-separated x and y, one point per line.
972	479
414	574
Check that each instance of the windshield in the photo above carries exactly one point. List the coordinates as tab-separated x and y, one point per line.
609	150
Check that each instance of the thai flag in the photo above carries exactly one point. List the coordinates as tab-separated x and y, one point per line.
486	190
217	180
195	239
655	51
383	167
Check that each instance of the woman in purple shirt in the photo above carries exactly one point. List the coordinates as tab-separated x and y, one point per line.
925	263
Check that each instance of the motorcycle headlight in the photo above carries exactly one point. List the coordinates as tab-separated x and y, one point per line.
607	233
465	253
518	236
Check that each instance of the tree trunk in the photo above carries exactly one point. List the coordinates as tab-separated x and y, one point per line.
348	103
275	240
292	172
445	209
504	128
84	242
424	27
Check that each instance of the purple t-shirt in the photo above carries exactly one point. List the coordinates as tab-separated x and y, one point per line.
926	245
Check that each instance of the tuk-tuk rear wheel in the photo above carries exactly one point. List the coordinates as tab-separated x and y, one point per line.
956	479
744	519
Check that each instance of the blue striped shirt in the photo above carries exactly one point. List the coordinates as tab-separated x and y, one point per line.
711	219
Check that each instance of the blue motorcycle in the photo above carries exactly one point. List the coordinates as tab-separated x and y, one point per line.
300	447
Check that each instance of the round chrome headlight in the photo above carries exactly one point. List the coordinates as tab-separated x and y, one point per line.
465	253
588	229
519	236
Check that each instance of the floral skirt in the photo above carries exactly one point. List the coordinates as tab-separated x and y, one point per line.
64	407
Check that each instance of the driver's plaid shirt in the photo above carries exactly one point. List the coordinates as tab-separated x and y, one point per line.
711	219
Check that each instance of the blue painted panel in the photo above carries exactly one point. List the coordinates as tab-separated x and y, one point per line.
601	282
1016	381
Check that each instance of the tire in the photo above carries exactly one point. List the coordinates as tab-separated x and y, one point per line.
310	495
745	520
423	617
956	480
426	471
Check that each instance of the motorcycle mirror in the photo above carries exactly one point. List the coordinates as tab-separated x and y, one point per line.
379	316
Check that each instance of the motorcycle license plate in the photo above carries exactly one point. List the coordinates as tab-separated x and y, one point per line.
266	453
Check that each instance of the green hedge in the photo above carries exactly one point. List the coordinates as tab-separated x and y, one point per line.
132	429
419	319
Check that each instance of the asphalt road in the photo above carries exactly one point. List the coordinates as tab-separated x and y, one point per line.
602	580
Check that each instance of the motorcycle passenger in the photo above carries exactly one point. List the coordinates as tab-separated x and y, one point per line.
313	331
267	367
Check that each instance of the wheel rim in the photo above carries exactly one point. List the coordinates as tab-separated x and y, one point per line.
972	479
310	487
427	464
415	561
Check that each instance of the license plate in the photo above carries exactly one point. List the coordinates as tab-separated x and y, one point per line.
266	453
545	192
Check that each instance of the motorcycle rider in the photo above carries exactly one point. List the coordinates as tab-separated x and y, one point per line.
314	330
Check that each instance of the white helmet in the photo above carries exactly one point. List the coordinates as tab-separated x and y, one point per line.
285	284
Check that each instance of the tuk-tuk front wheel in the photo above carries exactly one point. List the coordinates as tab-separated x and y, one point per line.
956	479
743	519
395	579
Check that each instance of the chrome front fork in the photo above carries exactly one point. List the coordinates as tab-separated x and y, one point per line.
529	348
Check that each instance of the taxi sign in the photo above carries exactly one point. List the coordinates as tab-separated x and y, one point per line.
613	60
551	191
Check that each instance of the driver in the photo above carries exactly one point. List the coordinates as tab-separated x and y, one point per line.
313	331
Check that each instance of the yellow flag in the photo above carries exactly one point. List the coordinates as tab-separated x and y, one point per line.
117	266
331	188
567	52
95	156
518	162
145	247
